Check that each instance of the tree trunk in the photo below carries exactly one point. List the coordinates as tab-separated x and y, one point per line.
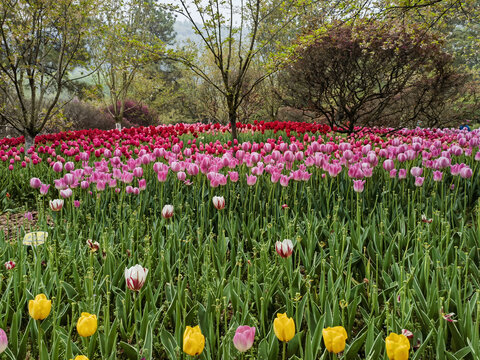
29	141
232	116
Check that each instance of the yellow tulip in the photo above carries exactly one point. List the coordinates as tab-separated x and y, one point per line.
193	341
397	346
80	357
284	327
39	308
334	338
87	324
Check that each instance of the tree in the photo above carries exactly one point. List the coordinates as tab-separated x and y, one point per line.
371	73
231	35
41	42
135	32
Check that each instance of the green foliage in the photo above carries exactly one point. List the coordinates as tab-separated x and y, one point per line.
42	41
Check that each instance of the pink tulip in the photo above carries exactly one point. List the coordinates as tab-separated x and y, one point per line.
348	154
358	185
284	180
3	341
68	179
437	176
466	173
419	181
138	172
393	173
251	180
35	183
388	165
66	193
233	175
44	189
192	169
181	176
244	337
69	166
135	277
284	248
402	173
101	185
142	184
57	167
162	176
416	171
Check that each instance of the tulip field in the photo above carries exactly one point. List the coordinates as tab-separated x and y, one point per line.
294	242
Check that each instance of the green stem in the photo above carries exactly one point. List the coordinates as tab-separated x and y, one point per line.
284	350
39	333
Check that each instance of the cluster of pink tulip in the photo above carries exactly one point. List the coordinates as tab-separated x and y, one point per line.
111	159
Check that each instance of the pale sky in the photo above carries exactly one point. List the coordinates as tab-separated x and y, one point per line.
195	15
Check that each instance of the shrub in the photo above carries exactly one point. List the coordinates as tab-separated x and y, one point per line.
375	73
134	113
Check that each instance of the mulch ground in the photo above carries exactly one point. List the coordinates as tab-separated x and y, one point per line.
11	224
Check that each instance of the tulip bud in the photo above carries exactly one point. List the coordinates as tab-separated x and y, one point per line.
397	347
284	248
80	357
87	324
244	337
167	211
284	327
193	341
135	277
219	202
39	308
334	338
